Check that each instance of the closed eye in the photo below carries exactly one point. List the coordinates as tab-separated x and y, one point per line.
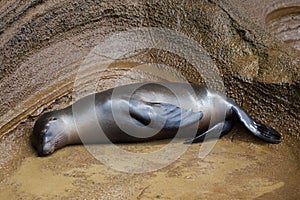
53	119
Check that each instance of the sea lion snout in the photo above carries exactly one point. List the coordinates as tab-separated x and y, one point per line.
48	134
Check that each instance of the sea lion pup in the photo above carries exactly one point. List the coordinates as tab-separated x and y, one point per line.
124	112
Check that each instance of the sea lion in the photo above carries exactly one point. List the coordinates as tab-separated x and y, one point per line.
161	107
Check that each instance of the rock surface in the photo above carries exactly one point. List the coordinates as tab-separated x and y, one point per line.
45	43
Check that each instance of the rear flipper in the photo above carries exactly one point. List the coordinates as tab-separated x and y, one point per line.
260	130
215	132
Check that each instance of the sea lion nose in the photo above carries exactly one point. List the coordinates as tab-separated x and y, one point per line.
47	149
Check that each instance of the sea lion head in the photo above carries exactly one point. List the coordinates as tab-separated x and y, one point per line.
49	133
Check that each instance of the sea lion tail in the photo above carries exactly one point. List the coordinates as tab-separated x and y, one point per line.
262	131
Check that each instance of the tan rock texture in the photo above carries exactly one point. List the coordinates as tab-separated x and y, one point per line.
44	43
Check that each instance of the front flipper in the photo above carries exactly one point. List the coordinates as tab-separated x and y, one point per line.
157	113
214	132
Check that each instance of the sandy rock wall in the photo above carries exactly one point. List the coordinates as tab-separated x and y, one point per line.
43	43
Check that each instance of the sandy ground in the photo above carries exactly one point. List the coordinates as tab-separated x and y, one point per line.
238	168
